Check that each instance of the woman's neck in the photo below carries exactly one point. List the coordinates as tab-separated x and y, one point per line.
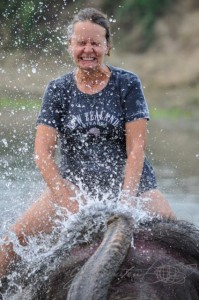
92	81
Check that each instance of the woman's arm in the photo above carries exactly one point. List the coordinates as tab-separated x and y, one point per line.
135	146
45	146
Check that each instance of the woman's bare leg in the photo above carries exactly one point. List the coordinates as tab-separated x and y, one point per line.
157	204
40	217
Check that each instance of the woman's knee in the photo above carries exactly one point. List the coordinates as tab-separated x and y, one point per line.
157	204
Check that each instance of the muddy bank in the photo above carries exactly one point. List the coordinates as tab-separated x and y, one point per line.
169	80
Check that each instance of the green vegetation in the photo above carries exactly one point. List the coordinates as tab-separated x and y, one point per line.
173	114
194	101
19	104
138	13
31	25
37	24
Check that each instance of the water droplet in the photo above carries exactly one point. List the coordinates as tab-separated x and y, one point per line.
34	70
4	141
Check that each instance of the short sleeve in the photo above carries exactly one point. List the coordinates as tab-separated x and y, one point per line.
50	112
135	104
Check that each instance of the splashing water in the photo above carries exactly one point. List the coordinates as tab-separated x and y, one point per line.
44	252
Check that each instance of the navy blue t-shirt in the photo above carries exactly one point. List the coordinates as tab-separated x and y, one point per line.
92	129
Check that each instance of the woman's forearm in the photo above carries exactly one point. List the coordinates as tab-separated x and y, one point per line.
49	170
61	189
133	171
45	147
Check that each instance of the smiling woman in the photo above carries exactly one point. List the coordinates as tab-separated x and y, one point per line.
99	114
88	44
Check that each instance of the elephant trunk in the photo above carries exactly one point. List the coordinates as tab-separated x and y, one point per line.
94	278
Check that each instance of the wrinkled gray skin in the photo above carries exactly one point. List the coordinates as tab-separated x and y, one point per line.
156	259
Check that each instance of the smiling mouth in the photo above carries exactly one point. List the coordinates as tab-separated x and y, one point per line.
88	58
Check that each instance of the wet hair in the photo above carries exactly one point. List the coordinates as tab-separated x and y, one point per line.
93	15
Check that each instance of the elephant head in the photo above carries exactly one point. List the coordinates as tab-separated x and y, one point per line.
152	260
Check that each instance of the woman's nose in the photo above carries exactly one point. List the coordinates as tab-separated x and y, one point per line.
88	48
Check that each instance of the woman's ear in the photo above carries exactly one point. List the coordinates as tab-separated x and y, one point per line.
108	50
69	49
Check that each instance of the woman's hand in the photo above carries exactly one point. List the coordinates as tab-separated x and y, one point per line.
65	195
127	198
64	192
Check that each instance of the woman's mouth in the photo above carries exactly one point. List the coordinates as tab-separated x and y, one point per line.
88	58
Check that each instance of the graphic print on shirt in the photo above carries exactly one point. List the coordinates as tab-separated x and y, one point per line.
92	127
92	118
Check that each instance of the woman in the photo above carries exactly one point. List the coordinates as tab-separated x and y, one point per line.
99	114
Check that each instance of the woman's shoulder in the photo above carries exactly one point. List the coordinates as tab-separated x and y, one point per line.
123	74
61	81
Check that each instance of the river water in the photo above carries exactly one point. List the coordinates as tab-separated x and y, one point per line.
173	148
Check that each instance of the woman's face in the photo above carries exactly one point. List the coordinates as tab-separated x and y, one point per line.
88	45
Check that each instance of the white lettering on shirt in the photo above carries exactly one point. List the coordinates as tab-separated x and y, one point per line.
92	118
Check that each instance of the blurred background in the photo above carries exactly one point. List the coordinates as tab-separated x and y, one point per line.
158	40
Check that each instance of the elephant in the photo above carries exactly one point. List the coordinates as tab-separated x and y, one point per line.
113	257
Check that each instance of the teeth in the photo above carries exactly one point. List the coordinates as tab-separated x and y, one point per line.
87	58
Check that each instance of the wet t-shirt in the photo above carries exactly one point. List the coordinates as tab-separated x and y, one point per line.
92	129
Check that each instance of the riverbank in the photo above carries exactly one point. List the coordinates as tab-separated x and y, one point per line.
170	81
